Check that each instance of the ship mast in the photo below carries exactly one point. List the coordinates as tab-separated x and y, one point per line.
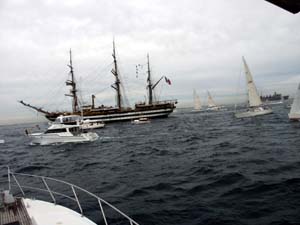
149	86
72	83
114	71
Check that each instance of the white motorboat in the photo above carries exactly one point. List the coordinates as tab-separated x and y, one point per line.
17	208
2	141
295	108
141	121
59	133
256	108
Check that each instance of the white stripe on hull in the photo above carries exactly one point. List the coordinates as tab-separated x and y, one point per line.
130	115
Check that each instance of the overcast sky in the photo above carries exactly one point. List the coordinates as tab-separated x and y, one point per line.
195	43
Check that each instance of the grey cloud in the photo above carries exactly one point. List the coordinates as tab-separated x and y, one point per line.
198	44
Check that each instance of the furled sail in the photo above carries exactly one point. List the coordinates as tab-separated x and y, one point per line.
210	101
254	99
295	109
197	102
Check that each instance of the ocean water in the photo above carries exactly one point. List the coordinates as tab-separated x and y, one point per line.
190	168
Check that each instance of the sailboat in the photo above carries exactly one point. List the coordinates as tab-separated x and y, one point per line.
255	108
197	102
295	108
211	104
150	109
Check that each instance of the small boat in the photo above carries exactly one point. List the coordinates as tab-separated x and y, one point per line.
141	121
274	99
294	114
197	103
273	102
91	124
17	208
2	141
255	108
77	120
211	104
59	133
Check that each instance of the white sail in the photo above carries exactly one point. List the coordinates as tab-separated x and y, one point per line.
295	109
254	99
197	102
210	101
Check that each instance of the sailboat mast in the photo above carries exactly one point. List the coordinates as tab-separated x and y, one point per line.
149	82
72	83
117	82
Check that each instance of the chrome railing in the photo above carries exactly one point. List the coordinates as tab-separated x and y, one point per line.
12	177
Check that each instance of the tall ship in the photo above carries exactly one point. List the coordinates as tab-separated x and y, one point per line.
151	108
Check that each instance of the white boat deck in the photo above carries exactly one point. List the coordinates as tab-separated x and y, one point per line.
45	213
14	213
38	212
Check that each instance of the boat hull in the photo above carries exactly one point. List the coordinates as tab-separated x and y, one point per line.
294	117
50	139
215	109
91	125
198	110
123	115
253	113
137	122
273	102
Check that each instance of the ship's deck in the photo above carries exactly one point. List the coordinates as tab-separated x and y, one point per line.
15	214
29	212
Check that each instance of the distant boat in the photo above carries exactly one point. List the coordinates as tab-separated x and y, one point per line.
141	121
2	141
211	104
274	99
77	120
197	103
256	107
91	124
295	108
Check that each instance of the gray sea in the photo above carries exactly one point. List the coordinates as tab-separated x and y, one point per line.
191	168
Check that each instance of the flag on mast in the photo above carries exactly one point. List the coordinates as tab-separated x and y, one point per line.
167	80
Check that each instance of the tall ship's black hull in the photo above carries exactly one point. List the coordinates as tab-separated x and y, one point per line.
115	115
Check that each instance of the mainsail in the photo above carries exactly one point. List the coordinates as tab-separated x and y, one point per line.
197	103
254	99
295	109
210	101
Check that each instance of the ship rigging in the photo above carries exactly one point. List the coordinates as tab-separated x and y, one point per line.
149	108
